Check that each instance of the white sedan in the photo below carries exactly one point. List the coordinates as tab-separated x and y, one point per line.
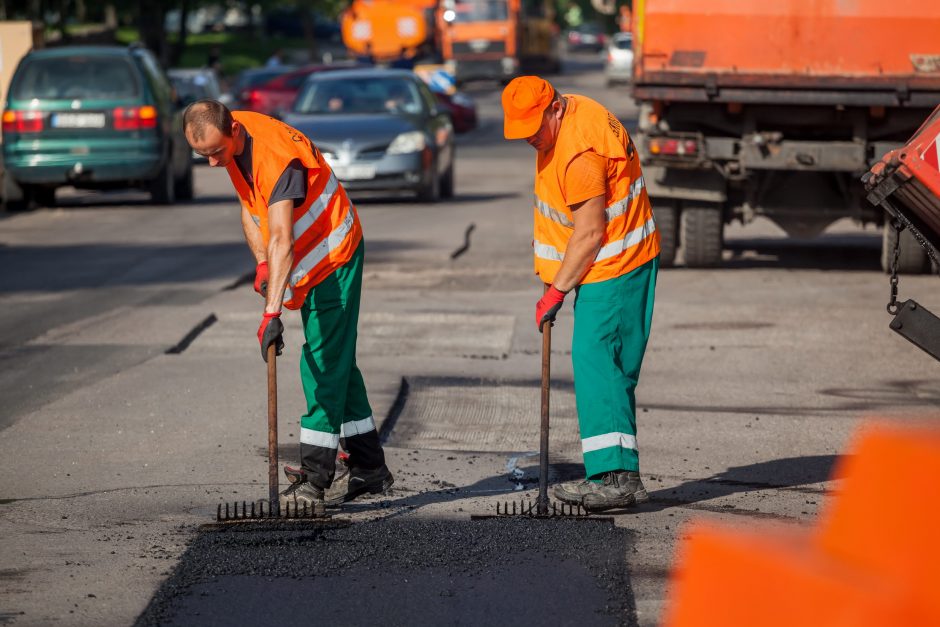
619	65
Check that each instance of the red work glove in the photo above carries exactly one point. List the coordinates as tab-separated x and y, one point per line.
261	278
271	332
548	306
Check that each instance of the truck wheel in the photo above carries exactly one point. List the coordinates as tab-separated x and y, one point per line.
912	259
701	231
163	187
665	214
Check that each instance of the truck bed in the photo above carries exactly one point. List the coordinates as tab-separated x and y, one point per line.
865	52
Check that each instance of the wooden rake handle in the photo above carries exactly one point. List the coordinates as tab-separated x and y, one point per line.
272	428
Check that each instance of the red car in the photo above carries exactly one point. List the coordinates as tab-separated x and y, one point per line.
461	108
278	94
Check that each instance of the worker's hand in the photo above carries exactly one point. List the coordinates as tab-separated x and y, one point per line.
548	306
271	332
261	278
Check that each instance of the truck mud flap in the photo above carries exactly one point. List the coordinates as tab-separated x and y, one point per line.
919	326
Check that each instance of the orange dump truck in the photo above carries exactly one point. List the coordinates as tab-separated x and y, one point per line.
498	39
386	30
775	109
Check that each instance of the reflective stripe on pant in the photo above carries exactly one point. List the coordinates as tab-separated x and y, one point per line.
337	403
611	328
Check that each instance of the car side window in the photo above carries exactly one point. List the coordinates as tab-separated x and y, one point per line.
161	86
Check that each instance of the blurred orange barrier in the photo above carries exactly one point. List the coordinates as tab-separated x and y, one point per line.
873	559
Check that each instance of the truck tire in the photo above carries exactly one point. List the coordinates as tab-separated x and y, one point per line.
666	213
700	231
912	258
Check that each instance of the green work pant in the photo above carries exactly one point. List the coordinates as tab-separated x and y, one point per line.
611	327
337	403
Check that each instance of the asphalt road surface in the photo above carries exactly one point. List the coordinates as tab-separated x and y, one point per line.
113	451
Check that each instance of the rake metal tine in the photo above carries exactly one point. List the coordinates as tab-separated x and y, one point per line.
218	513
252	509
513	508
244	509
554	510
306	515
226	512
497	508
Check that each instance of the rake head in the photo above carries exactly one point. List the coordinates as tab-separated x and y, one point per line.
535	509
256	511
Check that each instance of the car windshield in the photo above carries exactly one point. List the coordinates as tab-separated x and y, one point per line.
481	11
76	77
359	95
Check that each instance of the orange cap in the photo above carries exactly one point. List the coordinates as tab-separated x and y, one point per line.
524	100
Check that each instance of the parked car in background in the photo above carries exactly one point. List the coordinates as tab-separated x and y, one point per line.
587	36
249	79
94	117
197	84
461	108
619	65
379	129
276	96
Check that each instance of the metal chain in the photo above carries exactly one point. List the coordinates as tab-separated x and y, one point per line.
893	303
905	223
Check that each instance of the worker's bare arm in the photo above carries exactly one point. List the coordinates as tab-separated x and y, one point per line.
253	237
590	225
280	252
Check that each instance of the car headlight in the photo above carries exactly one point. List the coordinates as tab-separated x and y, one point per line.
412	141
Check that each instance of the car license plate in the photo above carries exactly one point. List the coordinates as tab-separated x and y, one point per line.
357	172
78	120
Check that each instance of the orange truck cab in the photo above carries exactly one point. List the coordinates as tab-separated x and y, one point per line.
497	39
775	109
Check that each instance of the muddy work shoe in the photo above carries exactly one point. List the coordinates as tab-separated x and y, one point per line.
302	497
619	489
358	481
573	492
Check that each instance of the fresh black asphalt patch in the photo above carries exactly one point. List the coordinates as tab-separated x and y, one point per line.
404	571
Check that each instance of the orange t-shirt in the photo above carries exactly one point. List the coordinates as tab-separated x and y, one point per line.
585	178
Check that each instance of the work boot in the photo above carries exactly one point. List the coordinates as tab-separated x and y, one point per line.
358	481
573	492
621	488
303	498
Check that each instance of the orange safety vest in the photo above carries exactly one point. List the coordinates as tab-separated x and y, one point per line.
631	238
326	226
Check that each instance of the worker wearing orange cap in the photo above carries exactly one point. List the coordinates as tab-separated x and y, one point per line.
594	234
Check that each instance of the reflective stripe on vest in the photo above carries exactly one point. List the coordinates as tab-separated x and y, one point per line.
612	249
320	252
619	208
552	214
317	207
613	211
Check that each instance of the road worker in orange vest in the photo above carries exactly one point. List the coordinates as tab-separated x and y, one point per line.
305	235
594	234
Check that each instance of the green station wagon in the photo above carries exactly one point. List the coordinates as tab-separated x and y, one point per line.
94	117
